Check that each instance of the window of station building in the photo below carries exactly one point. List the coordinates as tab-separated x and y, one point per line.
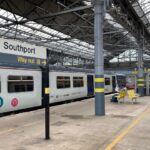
63	82
107	81
78	82
20	84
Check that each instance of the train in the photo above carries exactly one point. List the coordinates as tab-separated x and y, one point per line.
21	88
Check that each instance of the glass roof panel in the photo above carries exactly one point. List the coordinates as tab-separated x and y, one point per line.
38	34
142	8
145	4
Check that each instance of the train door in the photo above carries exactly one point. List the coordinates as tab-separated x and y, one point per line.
113	83
90	85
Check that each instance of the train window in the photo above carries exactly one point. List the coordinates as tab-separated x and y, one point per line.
63	82
78	82
107	81
14	78
20	84
121	80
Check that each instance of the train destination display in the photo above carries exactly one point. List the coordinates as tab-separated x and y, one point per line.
17	52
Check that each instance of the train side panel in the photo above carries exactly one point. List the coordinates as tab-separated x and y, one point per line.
61	90
17	91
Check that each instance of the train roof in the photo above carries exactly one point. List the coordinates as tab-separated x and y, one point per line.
70	69
56	68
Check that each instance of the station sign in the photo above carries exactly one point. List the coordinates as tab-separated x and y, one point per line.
17	52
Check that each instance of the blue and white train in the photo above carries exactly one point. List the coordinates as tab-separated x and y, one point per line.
22	88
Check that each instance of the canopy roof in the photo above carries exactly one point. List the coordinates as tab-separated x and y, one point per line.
67	25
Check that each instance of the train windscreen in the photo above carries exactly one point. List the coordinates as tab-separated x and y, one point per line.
130	81
121	81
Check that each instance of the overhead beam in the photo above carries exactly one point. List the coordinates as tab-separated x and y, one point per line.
48	16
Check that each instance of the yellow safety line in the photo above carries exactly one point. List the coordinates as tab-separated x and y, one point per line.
126	131
99	90
14	129
99	79
30	124
7	131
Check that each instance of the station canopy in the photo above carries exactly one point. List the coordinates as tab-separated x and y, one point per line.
67	26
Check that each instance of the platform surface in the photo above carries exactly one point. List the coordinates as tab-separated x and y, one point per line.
75	127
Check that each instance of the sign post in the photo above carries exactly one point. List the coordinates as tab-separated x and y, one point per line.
46	100
20	54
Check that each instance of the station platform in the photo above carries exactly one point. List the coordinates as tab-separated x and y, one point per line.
75	127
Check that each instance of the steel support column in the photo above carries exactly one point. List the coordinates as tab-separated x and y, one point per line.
99	57
140	79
